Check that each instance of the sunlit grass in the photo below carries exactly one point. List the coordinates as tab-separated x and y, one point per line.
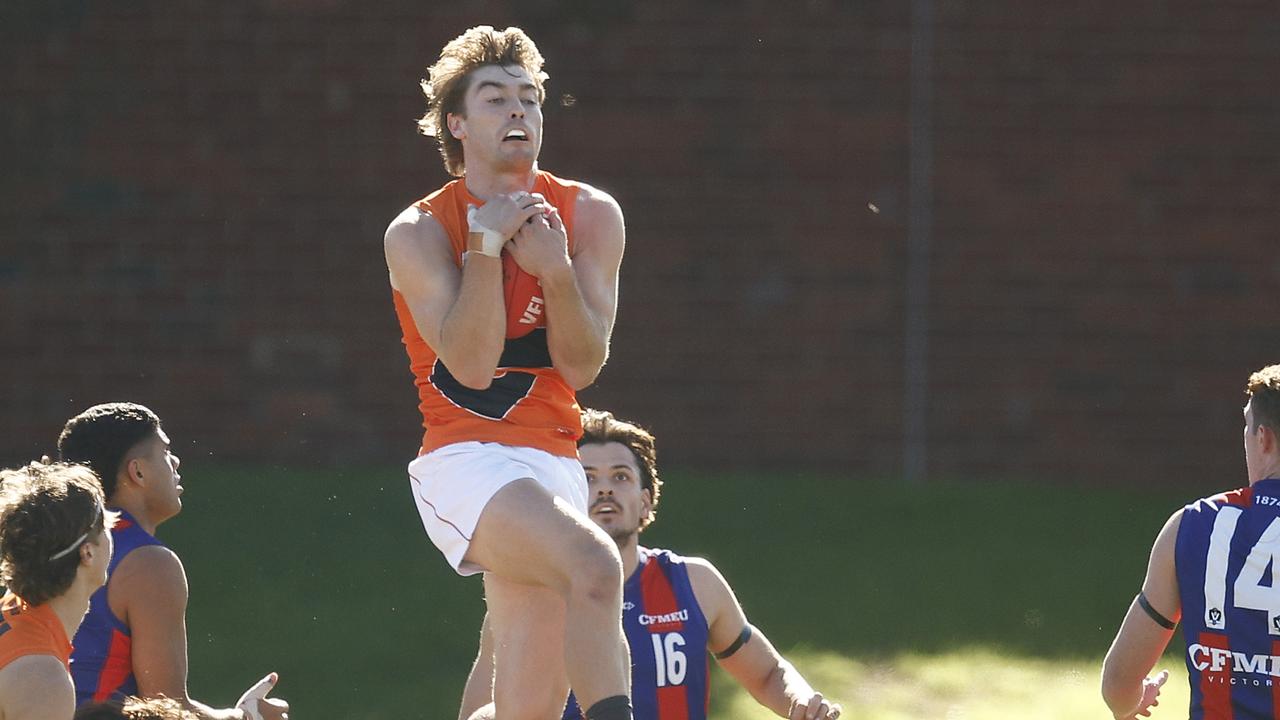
327	577
973	684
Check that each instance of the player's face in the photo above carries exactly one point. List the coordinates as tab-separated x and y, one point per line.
617	502
159	468
103	546
502	127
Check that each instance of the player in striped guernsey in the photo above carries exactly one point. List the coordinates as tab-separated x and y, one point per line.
676	610
1216	567
133	641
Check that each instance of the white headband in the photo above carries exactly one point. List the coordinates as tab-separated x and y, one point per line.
70	548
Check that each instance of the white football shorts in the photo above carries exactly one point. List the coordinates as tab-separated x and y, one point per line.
452	485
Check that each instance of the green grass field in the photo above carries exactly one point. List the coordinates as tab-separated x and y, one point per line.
954	600
974	684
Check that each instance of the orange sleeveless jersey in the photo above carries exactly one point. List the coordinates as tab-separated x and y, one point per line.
27	630
528	404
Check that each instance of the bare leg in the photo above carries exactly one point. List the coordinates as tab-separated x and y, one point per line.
477	696
542	556
529	681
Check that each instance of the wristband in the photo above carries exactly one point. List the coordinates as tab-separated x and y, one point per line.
480	238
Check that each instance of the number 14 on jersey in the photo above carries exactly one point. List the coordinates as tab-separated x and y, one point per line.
1249	591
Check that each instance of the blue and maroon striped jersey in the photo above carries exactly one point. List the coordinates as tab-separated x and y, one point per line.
668	636
102	661
1228	565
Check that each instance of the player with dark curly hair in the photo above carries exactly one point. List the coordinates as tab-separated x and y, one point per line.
677	610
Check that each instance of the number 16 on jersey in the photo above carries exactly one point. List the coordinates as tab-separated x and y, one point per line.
668	651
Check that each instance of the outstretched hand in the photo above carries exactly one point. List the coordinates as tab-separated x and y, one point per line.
815	707
255	704
1150	696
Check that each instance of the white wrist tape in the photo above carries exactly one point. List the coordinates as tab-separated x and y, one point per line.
493	240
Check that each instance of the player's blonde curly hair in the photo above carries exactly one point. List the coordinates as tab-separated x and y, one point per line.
1264	391
447	81
136	708
600	426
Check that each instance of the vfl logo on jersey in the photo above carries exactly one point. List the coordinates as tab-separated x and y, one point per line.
533	312
1215	618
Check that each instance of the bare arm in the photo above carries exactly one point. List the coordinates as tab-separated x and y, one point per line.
756	665
459	313
150	589
479	689
581	292
1140	641
36	687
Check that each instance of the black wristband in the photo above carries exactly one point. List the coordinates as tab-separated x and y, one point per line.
1161	620
743	637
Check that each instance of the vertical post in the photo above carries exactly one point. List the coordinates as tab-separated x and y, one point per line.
915	404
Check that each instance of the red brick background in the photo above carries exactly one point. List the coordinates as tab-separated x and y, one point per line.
192	200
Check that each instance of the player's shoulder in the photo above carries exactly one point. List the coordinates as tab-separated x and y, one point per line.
597	220
591	200
665	555
36	686
703	574
148	569
1241	498
710	589
412	225
415	242
596	202
700	568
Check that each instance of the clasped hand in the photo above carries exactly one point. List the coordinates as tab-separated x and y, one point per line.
506	214
541	246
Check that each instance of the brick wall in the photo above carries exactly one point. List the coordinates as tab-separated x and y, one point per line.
193	196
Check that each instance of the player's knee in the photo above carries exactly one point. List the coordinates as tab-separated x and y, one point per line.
597	573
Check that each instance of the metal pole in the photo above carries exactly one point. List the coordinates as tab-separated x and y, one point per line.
915	403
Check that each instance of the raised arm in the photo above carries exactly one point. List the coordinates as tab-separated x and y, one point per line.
149	592
459	313
1126	689
748	656
581	292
